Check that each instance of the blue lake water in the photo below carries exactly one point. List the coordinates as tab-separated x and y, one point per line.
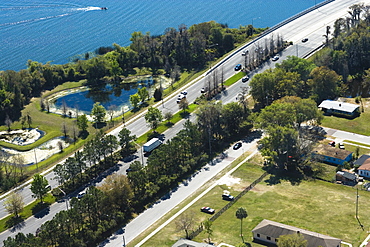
57	31
110	98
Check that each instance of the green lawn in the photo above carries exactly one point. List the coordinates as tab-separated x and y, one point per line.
357	125
315	205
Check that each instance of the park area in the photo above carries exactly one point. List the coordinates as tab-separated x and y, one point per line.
314	205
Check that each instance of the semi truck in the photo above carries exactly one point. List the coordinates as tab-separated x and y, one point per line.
151	145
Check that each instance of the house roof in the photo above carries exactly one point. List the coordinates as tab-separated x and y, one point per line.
330	151
348	175
362	160
314	239
337	105
188	243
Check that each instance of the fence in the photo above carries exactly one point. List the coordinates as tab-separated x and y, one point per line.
227	206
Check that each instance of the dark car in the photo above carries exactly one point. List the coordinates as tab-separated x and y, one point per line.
245	79
304	40
332	143
227	197
207	210
129	170
238	67
237	145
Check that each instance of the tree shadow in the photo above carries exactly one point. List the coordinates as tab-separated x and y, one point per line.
184	114
41	209
294	176
169	124
15	223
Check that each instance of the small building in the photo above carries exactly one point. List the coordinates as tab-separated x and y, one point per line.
267	232
340	108
189	243
346	178
332	155
364	166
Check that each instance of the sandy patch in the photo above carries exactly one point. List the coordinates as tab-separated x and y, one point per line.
40	153
229	181
21	137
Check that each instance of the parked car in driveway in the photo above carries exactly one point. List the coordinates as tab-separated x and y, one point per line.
238	67
207	210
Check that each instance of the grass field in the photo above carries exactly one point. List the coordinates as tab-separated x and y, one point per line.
315	205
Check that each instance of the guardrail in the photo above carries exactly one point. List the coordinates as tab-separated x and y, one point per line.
227	206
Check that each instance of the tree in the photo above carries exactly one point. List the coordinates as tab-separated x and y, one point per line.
184	104
292	240
118	191
208	228
98	111
143	93
134	100
241	213
185	222
153	117
168	115
324	84
39	186
82	122
125	139
158	94
14	204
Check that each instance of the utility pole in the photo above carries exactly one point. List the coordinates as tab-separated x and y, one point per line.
357	196
37	166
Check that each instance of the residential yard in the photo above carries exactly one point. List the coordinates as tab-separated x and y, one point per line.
315	205
357	125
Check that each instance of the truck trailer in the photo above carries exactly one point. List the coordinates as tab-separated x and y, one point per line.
151	145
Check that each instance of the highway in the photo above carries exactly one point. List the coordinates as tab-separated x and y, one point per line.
311	26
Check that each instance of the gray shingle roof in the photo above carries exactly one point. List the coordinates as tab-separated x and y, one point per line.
275	230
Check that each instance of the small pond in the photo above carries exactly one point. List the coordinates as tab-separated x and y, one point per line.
113	97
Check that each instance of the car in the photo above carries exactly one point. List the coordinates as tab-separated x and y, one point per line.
227	197
341	145
184	92
181	96
275	58
238	67
245	79
207	210
81	194
237	145
129	170
202	90
332	143
244	53
304	40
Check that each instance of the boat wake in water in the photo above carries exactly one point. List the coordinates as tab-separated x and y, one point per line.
46	12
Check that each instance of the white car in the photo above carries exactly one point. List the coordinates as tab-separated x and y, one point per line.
184	92
275	58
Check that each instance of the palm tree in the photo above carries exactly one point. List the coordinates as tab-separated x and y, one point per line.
241	213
